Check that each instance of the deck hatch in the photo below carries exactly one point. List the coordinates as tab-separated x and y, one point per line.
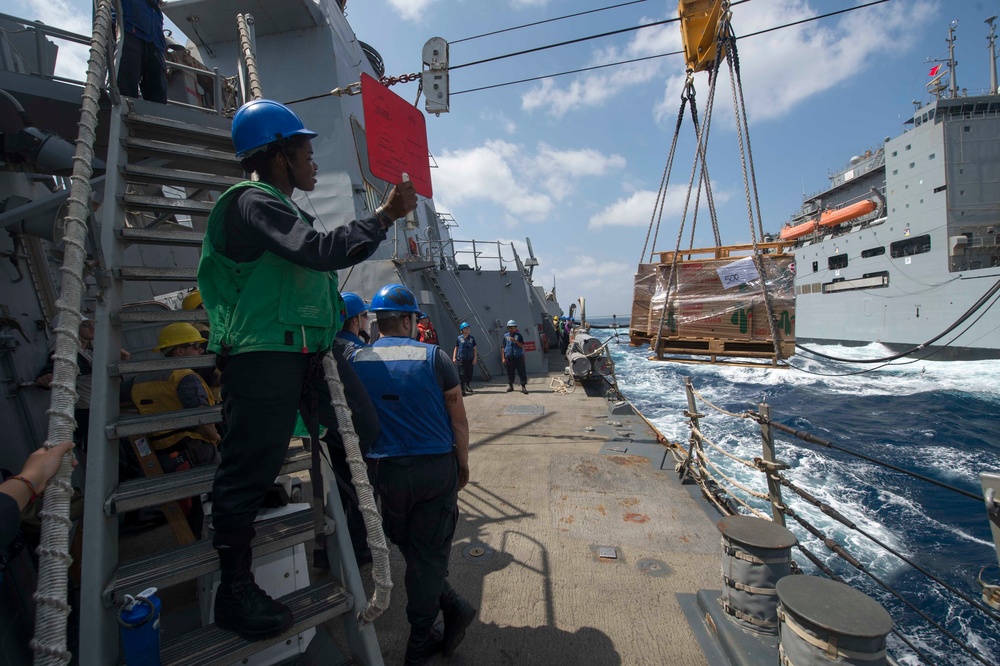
523	410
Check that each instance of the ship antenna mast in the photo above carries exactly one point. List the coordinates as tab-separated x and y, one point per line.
992	40
952	63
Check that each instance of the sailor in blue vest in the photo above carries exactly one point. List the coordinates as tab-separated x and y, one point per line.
349	336
513	357
422	460
465	356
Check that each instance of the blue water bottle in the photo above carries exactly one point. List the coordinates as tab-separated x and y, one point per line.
139	619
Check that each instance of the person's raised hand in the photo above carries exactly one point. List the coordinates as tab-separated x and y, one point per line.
402	199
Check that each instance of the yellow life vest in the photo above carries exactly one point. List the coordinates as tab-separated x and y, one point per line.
156	392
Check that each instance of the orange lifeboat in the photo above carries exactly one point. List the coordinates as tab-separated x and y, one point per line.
799	230
831	218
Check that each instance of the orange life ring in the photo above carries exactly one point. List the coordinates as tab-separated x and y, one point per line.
413	248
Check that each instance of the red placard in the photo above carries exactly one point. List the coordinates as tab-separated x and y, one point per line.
529	346
397	137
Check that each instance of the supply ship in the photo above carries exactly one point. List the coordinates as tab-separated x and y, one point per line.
572	527
903	246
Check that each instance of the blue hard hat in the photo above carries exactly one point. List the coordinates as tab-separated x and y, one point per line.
464	325
422	315
354	303
394	298
512	323
263	121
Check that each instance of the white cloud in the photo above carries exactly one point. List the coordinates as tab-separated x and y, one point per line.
636	210
499	119
411	10
523	183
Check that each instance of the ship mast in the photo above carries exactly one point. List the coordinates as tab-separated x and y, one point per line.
953	84
992	41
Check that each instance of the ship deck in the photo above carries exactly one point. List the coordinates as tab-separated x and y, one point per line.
554	478
545	493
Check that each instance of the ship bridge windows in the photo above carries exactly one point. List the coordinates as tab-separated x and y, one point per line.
837	262
873	252
910	246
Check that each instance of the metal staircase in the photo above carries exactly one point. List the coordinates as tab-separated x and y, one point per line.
152	146
431	276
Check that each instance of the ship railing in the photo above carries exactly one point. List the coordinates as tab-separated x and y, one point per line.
44	57
713	468
478	255
41	63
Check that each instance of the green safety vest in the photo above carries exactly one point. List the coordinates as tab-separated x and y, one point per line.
269	304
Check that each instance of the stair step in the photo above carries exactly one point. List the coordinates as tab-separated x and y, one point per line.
155	365
152	491
176	565
211	646
183	156
158	316
161	274
142	121
167	204
135	173
140	424
158	236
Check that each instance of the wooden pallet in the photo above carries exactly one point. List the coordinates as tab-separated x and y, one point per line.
681	350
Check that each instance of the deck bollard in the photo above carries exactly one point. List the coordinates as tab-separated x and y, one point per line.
823	621
757	554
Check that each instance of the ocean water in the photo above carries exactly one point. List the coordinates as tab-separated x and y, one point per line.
938	419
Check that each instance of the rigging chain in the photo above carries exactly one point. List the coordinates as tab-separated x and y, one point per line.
402	78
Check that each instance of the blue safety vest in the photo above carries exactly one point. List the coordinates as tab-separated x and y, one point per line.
466	348
348	342
399	376
511	350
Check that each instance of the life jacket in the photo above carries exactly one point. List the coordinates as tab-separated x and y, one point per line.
156	392
399	376
268	304
466	348
427	334
510	349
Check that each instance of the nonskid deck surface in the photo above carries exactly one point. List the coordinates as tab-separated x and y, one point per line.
545	493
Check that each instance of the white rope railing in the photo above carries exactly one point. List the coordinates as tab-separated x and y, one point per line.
706	440
49	642
366	498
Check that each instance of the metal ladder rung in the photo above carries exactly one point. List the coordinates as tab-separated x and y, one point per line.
210	645
154	490
135	173
141	120
140	424
155	365
154	148
189	206
176	565
157	316
161	236
160	274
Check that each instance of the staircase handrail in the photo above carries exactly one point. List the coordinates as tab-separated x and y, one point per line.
49	642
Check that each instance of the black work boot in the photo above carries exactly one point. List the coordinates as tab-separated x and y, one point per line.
458	614
423	644
510	387
524	389
240	605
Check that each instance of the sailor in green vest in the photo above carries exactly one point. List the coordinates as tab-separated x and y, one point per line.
269	284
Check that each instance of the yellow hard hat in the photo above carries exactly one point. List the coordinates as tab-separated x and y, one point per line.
181	333
192	301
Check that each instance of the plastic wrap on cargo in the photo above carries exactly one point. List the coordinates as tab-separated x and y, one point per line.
720	298
645	287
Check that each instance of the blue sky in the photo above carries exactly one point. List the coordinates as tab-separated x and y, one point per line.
574	162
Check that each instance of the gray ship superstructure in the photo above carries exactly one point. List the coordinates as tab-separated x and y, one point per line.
923	258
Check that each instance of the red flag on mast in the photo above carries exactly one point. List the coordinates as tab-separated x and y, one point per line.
934	70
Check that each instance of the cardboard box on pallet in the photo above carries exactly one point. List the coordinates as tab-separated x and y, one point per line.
784	319
715	317
642	294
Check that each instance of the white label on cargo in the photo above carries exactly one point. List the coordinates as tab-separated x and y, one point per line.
737	273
